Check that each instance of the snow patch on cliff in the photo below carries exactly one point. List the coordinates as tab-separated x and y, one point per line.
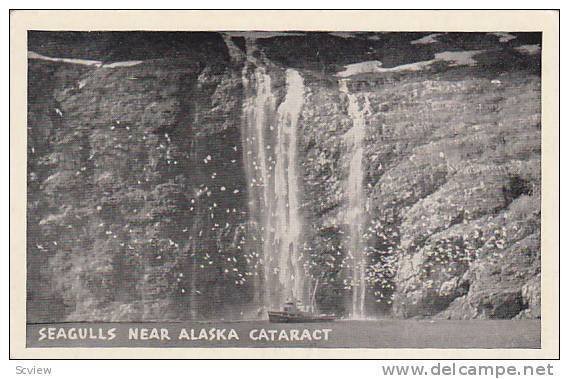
122	64
529	49
458	58
426	40
454	58
503	37
86	62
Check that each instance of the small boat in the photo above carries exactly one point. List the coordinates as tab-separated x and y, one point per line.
291	313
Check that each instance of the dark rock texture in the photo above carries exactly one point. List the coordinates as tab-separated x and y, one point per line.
137	197
126	163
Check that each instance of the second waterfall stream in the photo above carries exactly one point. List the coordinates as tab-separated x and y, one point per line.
354	188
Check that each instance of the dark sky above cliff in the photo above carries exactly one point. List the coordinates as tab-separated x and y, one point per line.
321	51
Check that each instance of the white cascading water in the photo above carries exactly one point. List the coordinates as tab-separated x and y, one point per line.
270	155
355	212
258	112
287	220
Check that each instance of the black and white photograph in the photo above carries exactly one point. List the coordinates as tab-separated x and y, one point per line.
284	189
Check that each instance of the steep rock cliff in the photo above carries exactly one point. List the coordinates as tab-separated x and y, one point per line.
130	160
138	201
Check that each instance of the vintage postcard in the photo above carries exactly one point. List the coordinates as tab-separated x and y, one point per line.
278	184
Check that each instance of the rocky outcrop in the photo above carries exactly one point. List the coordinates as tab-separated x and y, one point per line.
138	201
130	162
473	234
453	178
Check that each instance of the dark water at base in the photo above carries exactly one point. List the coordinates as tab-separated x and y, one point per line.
339	334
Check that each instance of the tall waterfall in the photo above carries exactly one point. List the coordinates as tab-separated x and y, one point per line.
287	220
258	112
270	154
355	213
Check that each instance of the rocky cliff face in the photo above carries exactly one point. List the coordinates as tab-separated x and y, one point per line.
128	182
139	201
